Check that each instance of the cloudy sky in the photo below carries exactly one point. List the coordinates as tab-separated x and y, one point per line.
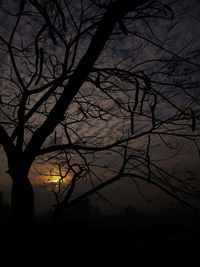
165	49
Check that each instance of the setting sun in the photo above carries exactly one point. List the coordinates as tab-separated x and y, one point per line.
47	174
53	178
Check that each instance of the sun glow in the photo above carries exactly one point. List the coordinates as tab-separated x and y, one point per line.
52	178
55	179
49	175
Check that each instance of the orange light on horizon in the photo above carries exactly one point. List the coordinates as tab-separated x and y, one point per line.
49	176
54	178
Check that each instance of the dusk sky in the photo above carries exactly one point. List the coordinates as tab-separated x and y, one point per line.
140	101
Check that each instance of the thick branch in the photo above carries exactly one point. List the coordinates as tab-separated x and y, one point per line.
6	142
90	148
116	11
62	206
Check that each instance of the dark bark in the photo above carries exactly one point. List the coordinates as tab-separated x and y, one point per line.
22	195
22	203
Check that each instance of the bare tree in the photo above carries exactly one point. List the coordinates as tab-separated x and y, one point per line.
93	88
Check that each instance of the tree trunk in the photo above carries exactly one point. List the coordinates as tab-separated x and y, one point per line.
22	203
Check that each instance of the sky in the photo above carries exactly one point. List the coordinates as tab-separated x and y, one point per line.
136	54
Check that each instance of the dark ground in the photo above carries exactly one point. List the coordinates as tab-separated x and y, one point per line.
83	227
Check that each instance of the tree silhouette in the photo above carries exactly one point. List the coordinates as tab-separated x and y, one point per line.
4	211
93	88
